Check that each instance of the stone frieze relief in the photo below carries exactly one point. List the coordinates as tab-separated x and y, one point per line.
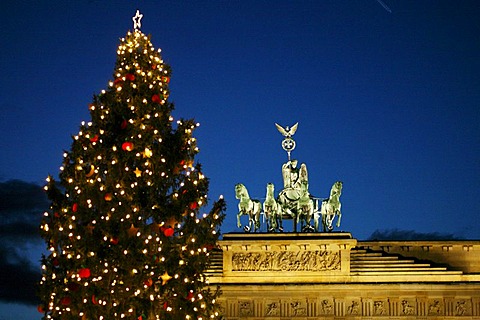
286	261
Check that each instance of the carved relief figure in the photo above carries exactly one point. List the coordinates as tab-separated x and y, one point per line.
434	307
327	307
245	308
273	309
379	308
286	261
407	309
354	308
461	308
298	309
328	261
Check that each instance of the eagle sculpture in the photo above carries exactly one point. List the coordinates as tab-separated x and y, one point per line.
287	132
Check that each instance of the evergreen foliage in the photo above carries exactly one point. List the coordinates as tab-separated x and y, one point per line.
125	235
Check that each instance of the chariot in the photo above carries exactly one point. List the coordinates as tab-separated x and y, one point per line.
294	202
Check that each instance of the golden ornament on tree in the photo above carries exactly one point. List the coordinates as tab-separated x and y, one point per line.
132	231
91	171
147	153
171	222
165	278
138	172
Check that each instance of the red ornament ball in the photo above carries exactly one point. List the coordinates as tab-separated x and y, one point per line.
127	146
75	207
156	98
130	76
117	81
193	205
84	273
94	139
148	282
41	308
166	79
108	197
168	232
124	124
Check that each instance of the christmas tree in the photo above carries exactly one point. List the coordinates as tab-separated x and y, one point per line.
124	232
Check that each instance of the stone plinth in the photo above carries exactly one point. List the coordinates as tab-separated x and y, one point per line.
286	258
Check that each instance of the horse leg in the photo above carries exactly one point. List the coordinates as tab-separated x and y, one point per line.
273	223
330	221
267	218
279	217
257	221
273	219
239	224
298	218
309	220
249	226
339	214
257	210
301	219
317	215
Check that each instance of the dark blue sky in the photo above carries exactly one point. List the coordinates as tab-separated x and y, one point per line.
389	103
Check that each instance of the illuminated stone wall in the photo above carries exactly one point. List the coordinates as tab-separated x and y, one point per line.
334	276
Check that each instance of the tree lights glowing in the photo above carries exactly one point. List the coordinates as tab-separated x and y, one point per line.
124	233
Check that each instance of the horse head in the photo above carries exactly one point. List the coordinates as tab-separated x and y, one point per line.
336	189
270	189
240	191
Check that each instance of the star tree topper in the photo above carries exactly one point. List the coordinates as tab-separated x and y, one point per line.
137	23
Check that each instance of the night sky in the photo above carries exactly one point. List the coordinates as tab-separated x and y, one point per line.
386	94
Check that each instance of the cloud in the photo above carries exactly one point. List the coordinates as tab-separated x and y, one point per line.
18	231
19	198
396	234
18	277
21	207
